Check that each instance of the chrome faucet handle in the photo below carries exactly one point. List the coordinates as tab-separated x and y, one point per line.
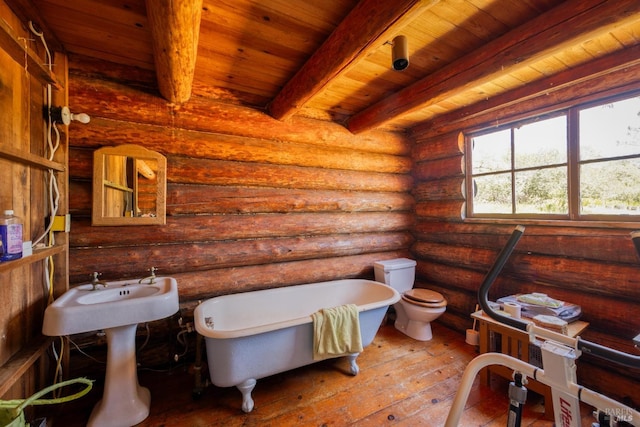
95	282
151	278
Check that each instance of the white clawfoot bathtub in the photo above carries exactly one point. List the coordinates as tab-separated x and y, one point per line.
255	334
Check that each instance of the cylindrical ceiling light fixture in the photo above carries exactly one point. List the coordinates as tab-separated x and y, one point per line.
400	53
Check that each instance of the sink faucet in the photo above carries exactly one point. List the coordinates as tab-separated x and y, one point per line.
151	278
95	282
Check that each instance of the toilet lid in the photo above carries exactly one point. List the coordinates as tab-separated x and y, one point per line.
424	297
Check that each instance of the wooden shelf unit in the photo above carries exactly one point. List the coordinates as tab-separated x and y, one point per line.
23	139
17	48
38	255
12	370
30	159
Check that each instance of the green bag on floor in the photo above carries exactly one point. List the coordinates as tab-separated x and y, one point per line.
11	411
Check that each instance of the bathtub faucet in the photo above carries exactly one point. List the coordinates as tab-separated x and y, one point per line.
95	282
151	278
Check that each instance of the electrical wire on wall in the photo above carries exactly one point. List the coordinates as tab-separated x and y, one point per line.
53	191
53	195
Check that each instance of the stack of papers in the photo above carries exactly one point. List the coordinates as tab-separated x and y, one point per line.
533	305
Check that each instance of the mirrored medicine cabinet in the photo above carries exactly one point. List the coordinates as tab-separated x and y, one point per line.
129	186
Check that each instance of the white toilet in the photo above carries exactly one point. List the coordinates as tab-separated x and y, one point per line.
418	307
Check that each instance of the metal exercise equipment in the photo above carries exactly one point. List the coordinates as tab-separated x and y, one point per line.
559	355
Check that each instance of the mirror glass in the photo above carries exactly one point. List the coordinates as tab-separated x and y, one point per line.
129	186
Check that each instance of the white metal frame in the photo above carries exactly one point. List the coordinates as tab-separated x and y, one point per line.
560	375
559	354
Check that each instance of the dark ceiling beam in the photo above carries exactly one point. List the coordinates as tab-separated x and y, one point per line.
175	29
362	30
570	23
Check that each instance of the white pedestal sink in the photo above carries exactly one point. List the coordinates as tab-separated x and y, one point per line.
116	309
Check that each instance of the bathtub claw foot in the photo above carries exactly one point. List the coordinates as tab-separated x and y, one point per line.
353	366
246	388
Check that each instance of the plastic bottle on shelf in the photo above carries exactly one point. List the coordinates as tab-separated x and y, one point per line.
11	236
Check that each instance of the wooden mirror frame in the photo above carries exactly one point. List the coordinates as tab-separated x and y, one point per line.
138	153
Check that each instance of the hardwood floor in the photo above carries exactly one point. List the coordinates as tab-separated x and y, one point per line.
402	382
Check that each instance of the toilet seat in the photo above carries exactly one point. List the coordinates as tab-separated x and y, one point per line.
424	298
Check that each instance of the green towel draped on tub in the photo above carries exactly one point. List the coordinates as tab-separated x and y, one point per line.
336	332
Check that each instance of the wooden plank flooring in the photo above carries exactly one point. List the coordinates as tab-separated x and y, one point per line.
402	382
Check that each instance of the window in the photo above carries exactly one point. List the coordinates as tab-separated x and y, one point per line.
581	164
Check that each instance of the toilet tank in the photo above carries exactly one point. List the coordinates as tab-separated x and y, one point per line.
399	273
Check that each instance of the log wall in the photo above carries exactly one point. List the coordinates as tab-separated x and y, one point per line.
252	202
592	265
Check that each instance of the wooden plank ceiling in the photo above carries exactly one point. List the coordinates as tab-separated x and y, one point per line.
331	59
